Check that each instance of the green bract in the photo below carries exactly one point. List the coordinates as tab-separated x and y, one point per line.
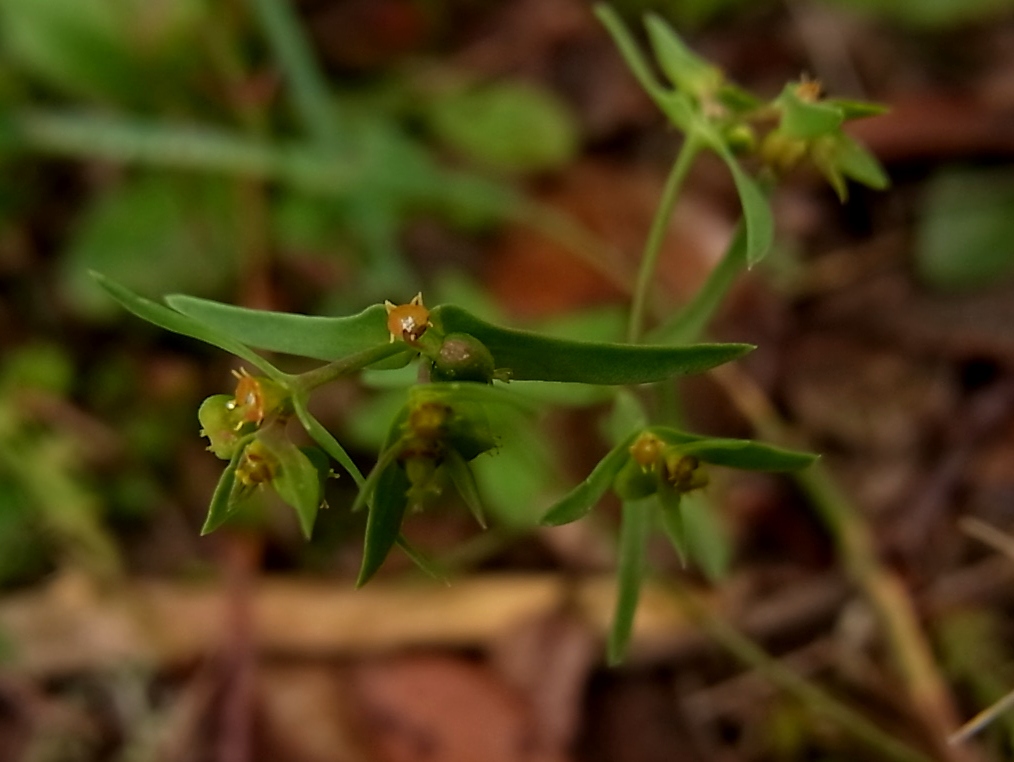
431	440
651	471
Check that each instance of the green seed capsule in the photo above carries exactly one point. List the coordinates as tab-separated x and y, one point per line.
462	357
221	424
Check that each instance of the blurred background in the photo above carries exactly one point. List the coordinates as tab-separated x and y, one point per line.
322	155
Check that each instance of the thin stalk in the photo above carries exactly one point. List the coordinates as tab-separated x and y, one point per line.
882	588
815	699
982	719
573	235
304	382
656	236
688	324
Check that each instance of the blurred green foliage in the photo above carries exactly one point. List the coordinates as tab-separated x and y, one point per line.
915	13
966	231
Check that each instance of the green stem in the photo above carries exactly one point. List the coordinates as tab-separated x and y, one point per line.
856	546
752	655
656	235
307	86
572	234
688	324
304	382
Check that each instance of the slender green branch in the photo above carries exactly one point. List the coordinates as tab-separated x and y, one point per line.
82	135
307	86
689	323
811	696
656	236
347	365
885	592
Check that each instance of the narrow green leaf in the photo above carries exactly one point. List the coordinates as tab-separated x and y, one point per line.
383	525
635	527
322	338
708	544
684	68
464	481
424	562
736	453
173	321
532	356
223	499
307	84
580	500
369	486
325	439
297	482
857	163
757	217
627	45
672	520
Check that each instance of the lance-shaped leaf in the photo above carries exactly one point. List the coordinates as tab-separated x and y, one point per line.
223	501
757	217
735	453
708	544
671	501
839	157
580	500
424	562
325	439
635	526
322	338
383	525
173	321
533	356
369	486
464	482
297	482
684	68
629	49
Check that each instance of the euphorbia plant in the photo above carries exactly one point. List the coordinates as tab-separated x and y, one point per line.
466	364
